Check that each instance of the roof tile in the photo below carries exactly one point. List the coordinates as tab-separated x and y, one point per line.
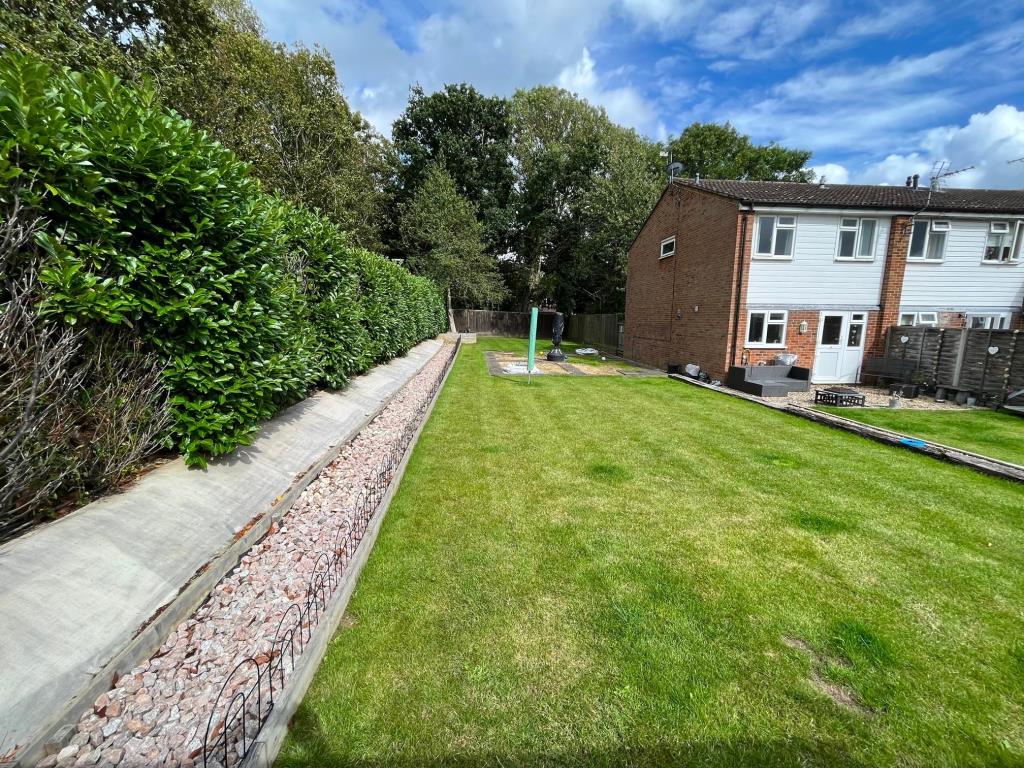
814	195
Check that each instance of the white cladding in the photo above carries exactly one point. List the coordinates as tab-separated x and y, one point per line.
961	281
814	277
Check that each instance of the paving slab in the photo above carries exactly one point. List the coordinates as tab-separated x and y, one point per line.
74	593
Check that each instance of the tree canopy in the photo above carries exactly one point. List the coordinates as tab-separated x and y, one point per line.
716	151
444	241
467	134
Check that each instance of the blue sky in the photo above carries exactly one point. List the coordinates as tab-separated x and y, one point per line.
877	91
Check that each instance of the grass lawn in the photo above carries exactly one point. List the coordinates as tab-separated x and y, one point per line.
607	571
1000	435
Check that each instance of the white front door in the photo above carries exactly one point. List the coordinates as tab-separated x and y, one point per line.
837	357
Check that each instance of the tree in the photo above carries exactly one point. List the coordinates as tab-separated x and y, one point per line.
444	241
556	146
618	200
584	186
131	38
719	152
467	134
282	110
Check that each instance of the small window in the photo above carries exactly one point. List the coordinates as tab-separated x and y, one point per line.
927	318
766	329
856	239
999	227
928	241
775	236
996	322
908	318
668	247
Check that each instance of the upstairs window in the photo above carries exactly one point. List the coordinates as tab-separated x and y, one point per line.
857	239
928	240
668	247
775	236
766	329
1004	242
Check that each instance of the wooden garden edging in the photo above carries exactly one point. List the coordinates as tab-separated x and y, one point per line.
976	461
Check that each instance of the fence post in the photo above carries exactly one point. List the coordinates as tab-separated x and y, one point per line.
960	354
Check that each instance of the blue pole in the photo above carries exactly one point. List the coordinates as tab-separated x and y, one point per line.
533	344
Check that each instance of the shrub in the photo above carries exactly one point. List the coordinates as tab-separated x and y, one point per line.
151	227
77	413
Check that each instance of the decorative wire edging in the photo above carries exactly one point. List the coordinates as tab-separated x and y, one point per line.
249	688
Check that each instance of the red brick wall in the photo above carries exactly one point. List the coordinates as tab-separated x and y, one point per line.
800	344
680	309
892	283
649	285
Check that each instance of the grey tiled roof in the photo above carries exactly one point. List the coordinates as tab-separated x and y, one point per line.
902	198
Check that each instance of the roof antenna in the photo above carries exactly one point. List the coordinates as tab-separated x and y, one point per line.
940	171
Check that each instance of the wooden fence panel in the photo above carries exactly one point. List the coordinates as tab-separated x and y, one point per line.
493	323
598	330
985	372
959	358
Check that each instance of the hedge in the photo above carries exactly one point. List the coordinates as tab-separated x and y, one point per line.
149	224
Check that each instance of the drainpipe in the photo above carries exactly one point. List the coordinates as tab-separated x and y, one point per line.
739	286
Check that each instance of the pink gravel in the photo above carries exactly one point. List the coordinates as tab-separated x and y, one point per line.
157	714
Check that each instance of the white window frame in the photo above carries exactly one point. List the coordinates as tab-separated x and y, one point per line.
776	226
934	226
911	315
1005	229
661	252
996	321
768	320
858	228
930	319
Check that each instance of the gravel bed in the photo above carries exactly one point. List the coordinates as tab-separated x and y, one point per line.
157	714
875	397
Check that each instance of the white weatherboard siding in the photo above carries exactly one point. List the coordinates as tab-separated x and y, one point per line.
961	281
813	278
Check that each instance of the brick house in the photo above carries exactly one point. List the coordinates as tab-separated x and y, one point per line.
731	272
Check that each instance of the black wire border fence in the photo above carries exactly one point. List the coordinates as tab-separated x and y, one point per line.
236	731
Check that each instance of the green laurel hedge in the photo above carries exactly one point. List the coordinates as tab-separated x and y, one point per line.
150	224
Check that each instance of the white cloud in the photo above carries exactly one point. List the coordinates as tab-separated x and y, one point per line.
988	142
832	172
885	21
497	46
624	105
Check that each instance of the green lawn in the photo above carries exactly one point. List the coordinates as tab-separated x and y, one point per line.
605	571
1000	435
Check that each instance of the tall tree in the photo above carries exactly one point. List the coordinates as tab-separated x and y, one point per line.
556	145
720	152
584	185
282	110
467	133
444	241
619	198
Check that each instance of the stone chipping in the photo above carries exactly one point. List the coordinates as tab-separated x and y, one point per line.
157	714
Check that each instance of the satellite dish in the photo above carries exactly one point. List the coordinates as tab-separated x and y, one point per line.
675	169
